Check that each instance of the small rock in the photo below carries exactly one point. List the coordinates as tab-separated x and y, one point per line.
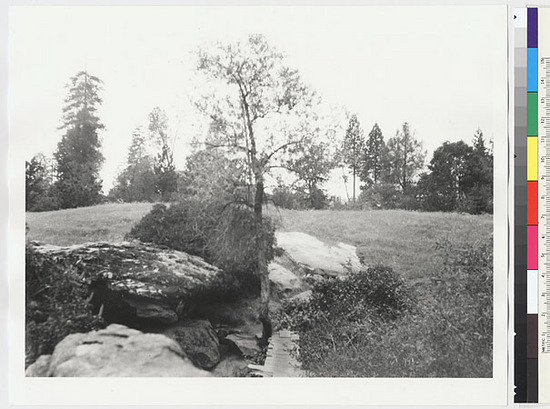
302	297
284	280
199	341
232	366
247	344
40	366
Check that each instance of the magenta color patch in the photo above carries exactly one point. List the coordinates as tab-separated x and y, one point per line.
532	247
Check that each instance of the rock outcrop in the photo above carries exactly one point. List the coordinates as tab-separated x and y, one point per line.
116	351
316	256
132	283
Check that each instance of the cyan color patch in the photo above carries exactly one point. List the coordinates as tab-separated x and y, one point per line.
532	69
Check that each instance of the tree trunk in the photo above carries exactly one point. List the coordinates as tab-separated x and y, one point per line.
263	272
354	184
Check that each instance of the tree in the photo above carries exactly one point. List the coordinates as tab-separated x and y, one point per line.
372	156
165	170
78	153
137	182
312	167
404	157
258	108
354	146
38	183
449	180
460	178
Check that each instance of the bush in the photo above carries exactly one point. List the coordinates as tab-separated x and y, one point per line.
55	305
224	235
373	325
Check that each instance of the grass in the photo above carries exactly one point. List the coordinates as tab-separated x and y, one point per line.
107	222
399	239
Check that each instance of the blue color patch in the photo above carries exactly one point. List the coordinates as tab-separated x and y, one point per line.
532	69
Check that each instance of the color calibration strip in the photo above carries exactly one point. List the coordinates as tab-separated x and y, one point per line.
520	208
532	205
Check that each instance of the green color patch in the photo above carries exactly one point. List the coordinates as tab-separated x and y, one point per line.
532	114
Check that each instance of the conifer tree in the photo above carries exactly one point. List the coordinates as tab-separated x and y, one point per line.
78	153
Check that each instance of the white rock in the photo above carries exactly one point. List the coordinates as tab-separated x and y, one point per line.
312	252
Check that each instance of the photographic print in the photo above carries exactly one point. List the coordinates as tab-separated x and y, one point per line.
302	194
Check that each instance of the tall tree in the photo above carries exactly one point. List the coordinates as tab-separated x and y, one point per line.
259	108
312	167
404	158
78	153
137	182
460	178
354	146
449	180
372	156
165	170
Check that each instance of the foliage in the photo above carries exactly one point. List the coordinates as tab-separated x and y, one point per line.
137	182
38	186
460	178
78	153
312	167
258	108
373	157
373	325
211	175
404	158
164	168
225	235
55	305
354	146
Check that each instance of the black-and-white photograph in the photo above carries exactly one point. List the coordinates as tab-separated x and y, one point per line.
263	192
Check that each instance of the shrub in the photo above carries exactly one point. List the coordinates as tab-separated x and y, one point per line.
224	235
55	305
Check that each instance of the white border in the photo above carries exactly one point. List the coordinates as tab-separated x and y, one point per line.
322	391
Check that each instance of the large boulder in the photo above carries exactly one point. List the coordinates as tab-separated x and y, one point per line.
198	340
116	351
132	283
318	256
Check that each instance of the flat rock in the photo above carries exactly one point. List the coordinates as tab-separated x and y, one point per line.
317	255
133	281
117	351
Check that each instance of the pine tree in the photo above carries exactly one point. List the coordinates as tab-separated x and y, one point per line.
372	157
165	170
354	145
404	158
78	153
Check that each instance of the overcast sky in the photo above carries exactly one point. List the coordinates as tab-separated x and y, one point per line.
442	69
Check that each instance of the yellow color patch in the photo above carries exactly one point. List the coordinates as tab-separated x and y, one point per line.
532	158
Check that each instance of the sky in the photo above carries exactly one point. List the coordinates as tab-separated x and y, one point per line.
440	68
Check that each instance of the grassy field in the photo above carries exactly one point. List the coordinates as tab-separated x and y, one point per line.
399	239
108	222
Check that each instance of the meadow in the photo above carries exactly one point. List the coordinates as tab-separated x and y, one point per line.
400	239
